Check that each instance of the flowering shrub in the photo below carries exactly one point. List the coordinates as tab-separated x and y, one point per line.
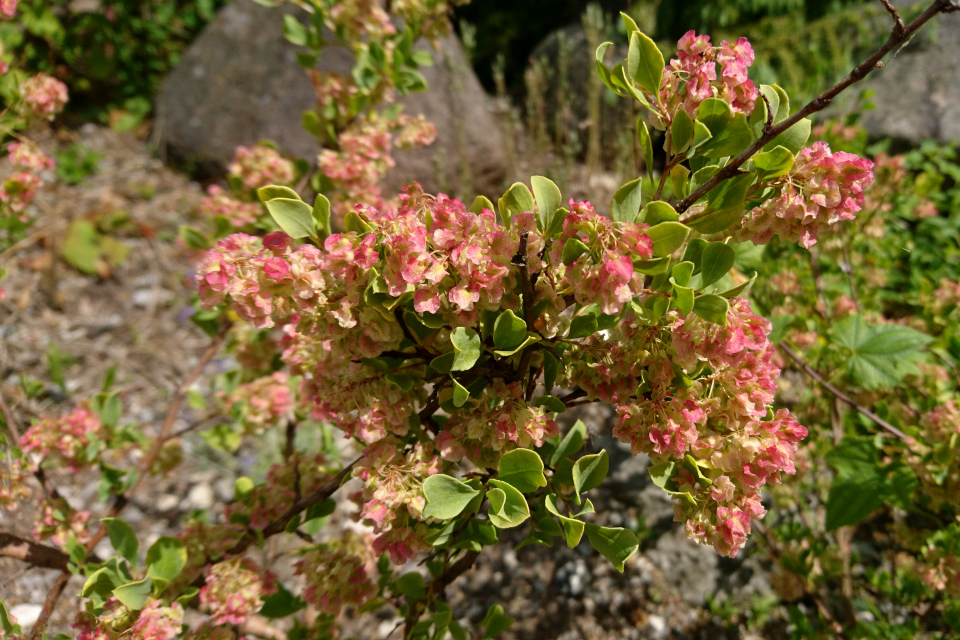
445	339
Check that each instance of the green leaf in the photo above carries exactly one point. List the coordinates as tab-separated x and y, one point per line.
701	135
295	32
857	489
444	363
793	139
166	558
743	287
517	199
479	204
572	250
446	497
882	354
715	114
508	507
715	262
495	622
551	369
645	63
774	163
321	215
653	267
682	272
681	132
572	528
192	237
658	211
466	345
712	307
583	326
646	145
589	471
694	252
735	137
616	545
123	539
668	237
295	217
6	622
532	338
774	99
411	585
281	604
460	393
626	202
550	403
81	247
523	469
603	72
683	298
101	582
509	331
571	443
134	595
548	198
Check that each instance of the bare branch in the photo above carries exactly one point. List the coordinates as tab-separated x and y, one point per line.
821	102
897	18
38	555
810	371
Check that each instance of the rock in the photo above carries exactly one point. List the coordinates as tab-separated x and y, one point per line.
26	614
240	83
200	496
917	93
691	568
658	627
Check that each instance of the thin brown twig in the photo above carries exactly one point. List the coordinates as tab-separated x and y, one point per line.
810	371
121	500
821	102
38	555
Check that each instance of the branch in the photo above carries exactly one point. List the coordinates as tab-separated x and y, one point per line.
897	37
810	371
38	555
121	500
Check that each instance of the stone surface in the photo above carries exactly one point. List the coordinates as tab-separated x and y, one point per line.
917	93
240	82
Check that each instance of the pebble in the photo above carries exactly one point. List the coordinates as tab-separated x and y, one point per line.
658	627
200	496
167	502
27	614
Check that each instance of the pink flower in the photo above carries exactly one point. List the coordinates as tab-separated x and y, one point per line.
261	166
8	8
234	589
67	436
220	203
158	621
44	96
29	156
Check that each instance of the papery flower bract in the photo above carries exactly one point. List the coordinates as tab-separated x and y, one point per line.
44	95
158	621
67	436
234	589
221	203
29	156
57	520
338	574
260	166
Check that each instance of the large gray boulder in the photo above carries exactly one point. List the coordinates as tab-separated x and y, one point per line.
240	83
917	93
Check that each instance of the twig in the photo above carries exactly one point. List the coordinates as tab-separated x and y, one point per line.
573	396
821	102
810	371
120	501
38	555
897	19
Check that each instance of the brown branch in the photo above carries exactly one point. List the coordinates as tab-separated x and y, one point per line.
121	501
897	18
810	371
821	102
38	555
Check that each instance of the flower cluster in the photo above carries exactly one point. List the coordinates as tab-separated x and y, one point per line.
44	96
8	8
604	273
716	429
496	423
930	458
29	156
112	620
19	189
261	165
57	520
204	543
158	621
692	76
67	436
364	156
392	498
220	202
13	482
234	589
266	502
338	574
263	403
822	189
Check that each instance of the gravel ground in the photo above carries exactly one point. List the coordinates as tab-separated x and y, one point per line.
136	318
